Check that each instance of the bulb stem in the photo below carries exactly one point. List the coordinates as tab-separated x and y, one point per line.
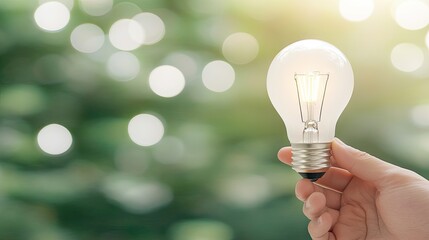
311	160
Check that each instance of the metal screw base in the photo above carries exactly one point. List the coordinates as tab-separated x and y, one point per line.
311	158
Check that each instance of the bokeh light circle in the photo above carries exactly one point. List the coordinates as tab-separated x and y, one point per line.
356	11
152	25
126	34
412	14
52	16
218	76
54	139
407	57
166	81
123	66
96	7
240	48
87	38
145	129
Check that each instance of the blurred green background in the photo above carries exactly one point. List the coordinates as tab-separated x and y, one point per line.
159	126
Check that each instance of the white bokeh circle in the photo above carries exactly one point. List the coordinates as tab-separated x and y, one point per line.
356	11
87	38
407	57
126	34
54	139
145	129
166	81
52	16
240	48
412	14
218	76
123	66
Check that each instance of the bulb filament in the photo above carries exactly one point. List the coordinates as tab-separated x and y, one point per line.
311	88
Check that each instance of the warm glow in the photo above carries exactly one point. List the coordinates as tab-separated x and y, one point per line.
240	48
123	66
166	81
412	14
356	10
145	129
126	34
87	38
407	57
54	139
218	76
152	25
52	16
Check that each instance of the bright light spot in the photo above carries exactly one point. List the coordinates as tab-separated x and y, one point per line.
240	48
202	229
218	76
52	16
166	81
412	14
145	130
136	196
407	57
87	38
356	10
54	139
152	25
420	115
169	150
244	191
96	7
126	34
123	66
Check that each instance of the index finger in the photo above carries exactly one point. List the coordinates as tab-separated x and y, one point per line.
285	155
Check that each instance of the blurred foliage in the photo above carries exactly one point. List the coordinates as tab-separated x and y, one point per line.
215	174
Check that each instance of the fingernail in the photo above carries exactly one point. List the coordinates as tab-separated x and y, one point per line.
307	204
319	220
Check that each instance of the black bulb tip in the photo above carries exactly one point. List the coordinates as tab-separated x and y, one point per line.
313	176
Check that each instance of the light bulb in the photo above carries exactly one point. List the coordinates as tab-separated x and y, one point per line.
310	83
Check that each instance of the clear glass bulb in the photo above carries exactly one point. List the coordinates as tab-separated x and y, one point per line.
310	83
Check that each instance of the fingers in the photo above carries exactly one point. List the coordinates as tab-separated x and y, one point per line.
322	218
319	228
304	188
335	178
285	155
361	164
314	206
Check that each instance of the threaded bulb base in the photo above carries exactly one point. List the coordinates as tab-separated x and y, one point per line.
311	160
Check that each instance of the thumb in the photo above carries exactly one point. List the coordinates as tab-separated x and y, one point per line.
361	164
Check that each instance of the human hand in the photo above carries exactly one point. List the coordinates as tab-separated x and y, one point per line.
363	197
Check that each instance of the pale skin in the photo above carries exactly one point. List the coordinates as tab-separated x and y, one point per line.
373	199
